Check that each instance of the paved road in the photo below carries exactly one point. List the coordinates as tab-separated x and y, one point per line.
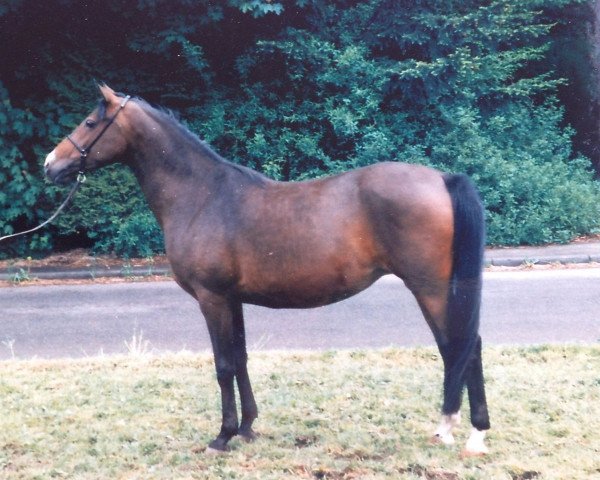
87	320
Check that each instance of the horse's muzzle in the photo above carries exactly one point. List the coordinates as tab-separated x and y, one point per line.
61	176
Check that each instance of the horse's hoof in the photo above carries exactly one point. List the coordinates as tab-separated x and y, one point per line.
249	436
443	434
213	452
438	439
475	446
217	447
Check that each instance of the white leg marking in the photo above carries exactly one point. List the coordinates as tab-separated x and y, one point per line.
475	444
444	430
50	158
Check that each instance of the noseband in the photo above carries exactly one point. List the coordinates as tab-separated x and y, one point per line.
84	151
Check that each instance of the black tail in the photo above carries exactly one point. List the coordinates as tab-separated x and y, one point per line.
464	298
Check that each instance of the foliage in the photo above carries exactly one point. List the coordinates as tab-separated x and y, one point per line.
20	189
519	158
297	90
116	219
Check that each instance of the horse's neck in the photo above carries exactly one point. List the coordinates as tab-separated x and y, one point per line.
174	173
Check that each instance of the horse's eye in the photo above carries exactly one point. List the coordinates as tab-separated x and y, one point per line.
90	123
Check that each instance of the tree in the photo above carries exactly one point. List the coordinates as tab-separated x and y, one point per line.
299	90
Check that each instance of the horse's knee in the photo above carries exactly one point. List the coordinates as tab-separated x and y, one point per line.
225	373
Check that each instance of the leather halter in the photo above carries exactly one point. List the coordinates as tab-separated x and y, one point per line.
84	151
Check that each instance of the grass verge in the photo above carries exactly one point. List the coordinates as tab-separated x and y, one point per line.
333	415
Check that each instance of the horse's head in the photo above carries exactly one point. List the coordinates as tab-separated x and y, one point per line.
99	140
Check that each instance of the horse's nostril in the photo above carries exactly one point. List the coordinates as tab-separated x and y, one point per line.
49	159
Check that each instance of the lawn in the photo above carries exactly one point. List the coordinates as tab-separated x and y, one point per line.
325	415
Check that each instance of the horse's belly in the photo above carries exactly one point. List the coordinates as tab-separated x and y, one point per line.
307	292
295	299
322	263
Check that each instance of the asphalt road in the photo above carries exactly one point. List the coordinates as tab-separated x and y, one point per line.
86	320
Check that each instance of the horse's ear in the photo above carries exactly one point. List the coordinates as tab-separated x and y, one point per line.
107	92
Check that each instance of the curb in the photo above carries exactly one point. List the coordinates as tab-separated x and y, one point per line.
16	274
498	261
56	273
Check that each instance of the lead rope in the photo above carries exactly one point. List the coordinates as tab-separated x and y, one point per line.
76	185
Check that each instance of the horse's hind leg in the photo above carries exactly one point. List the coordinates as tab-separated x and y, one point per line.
432	287
433	300
455	378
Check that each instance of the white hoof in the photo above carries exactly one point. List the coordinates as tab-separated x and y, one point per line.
475	446
443	434
444	438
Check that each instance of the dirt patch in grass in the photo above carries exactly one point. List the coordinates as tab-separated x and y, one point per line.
527	475
422	472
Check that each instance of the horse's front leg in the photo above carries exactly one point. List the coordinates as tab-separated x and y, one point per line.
218	312
249	409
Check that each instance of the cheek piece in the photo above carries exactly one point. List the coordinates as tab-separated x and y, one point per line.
84	151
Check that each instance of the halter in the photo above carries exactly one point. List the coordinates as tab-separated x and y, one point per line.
84	151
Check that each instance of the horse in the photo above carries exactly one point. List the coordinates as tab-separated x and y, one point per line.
234	236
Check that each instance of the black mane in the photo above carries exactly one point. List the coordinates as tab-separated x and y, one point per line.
169	120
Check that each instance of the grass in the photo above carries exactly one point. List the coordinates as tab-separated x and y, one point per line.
333	415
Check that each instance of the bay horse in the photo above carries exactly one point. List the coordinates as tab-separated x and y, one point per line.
234	236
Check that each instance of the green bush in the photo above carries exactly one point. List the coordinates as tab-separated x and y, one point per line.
521	161
21	188
138	236
110	209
